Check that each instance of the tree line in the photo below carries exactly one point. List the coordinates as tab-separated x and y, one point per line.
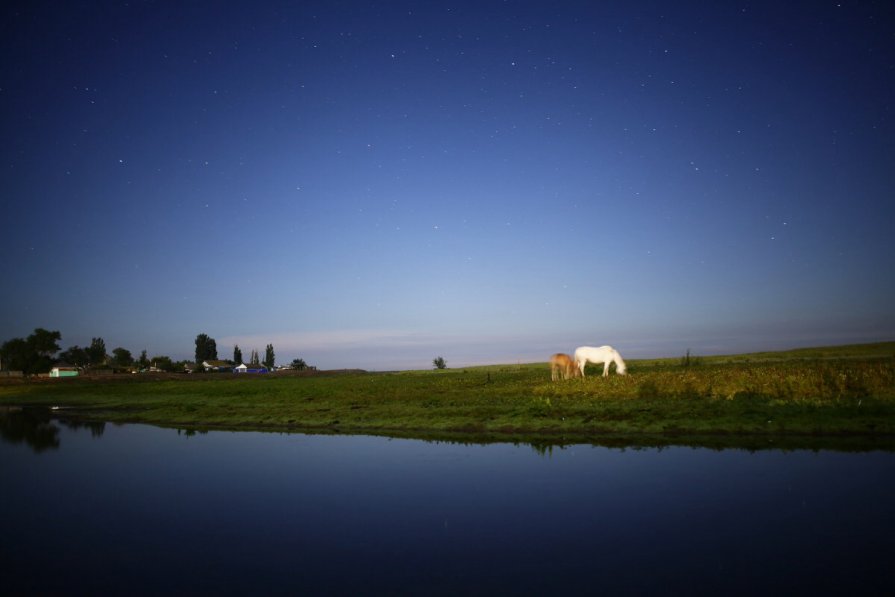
206	350
40	352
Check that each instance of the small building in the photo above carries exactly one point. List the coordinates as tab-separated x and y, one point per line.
243	368
216	365
64	371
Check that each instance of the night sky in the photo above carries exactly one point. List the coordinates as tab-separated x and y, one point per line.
374	184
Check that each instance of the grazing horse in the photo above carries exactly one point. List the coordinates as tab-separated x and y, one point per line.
562	367
603	354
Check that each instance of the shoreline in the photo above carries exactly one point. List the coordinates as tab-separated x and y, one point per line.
546	439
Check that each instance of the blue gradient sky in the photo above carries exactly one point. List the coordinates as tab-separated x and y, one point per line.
372	185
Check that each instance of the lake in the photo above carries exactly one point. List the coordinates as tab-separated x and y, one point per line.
134	509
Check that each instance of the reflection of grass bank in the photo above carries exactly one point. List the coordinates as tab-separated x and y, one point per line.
773	396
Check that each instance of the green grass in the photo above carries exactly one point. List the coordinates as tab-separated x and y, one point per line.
800	398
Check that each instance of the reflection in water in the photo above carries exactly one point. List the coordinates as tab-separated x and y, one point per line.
191	432
97	428
32	426
36	427
263	513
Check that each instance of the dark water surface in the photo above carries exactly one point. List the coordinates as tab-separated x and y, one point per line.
134	509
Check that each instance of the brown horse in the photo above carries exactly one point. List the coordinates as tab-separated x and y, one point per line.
562	367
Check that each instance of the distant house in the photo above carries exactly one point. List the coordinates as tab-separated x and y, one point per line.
216	365
243	368
64	371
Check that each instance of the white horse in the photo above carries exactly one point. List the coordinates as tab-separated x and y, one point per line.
603	354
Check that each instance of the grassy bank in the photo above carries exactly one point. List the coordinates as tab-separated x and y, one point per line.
788	397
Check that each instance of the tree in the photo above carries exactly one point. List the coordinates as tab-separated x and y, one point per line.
122	357
237	355
14	354
254	359
33	354
44	342
96	352
144	360
439	363
269	358
75	355
162	362
206	349
299	364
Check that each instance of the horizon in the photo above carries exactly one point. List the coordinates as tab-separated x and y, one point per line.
372	185
336	356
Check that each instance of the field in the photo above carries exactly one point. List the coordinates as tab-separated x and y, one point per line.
842	397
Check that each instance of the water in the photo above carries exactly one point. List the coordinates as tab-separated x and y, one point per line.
134	509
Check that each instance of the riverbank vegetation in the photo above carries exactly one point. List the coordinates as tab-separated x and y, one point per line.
769	397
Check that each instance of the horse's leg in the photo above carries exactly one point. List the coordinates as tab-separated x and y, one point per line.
581	365
606	368
552	372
